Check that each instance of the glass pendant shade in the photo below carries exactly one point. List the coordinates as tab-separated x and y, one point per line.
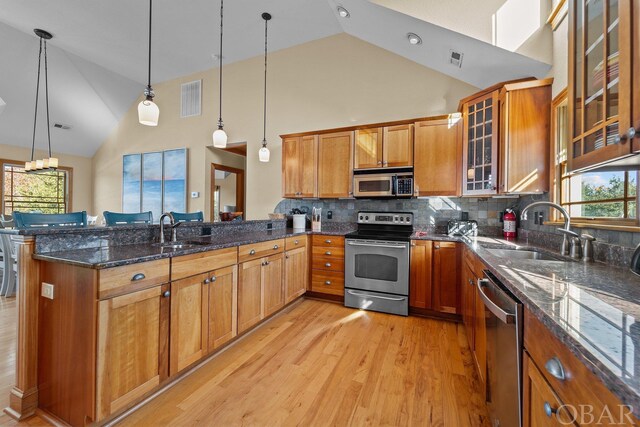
53	162
264	154
148	113
220	138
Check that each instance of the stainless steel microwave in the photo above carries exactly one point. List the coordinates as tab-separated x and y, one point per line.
389	184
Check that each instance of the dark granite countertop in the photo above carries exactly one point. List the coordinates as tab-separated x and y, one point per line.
592	308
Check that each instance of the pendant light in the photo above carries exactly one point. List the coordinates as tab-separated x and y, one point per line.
219	135
49	163
264	153
148	111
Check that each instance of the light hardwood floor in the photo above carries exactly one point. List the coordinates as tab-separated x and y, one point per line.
320	363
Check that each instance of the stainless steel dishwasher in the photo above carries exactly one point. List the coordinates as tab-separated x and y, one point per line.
503	317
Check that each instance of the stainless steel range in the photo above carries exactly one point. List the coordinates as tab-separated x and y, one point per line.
377	262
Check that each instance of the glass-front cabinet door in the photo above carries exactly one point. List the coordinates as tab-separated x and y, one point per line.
481	146
599	81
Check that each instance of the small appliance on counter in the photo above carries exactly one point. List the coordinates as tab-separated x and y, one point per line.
458	227
635	261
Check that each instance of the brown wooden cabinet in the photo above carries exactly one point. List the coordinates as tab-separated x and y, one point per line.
438	157
602	42
446	281
296	273
133	337
335	165
189	321
299	166
397	147
367	152
506	139
421	278
222	297
327	262
273	284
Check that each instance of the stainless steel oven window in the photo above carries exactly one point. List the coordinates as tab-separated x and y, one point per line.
376	267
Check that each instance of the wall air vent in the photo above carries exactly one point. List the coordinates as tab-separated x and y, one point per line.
455	58
61	126
191	104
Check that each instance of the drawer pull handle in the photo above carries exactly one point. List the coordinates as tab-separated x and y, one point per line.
328	264
295	242
275	247
166	294
555	368
213	279
328	253
138	276
548	410
327	241
327	282
436	247
252	252
207	281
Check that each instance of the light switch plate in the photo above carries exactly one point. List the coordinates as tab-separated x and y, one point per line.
47	290
195	194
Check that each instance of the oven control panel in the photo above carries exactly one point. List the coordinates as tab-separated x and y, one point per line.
385	218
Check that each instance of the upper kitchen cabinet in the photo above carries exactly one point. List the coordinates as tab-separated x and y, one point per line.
384	147
525	120
602	41
438	152
506	139
299	166
335	165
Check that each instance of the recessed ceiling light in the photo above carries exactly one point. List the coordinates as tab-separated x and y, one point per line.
414	38
344	13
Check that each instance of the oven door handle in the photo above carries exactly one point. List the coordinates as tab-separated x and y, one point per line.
375	245
504	317
357	294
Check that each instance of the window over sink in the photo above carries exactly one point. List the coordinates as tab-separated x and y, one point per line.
45	192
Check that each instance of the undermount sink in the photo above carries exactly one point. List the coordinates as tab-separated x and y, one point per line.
523	254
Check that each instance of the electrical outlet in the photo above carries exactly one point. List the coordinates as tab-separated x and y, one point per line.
195	194
541	218
47	290
329	214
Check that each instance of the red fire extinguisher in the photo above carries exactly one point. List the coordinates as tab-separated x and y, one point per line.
510	230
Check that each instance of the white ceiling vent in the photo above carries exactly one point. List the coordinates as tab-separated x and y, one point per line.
191	104
455	58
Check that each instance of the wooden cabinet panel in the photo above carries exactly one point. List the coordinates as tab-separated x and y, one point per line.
446	281
128	278
273	284
322	252
327	263
299	166
295	242
260	250
327	240
309	166
468	291
188	265
397	150
368	148
295	274
222	306
249	294
524	139
420	282
132	341
335	165
189	322
536	395
438	158
327	282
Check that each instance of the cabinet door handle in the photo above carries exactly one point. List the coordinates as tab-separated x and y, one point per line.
555	368
213	279
275	247
549	410
207	281
471	282
327	253
137	276
436	247
327	282
631	133
385	163
166	294
328	264
252	252
327	241
379	162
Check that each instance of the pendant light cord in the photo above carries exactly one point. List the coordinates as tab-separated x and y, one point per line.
220	125
149	68
46	92
264	133
35	114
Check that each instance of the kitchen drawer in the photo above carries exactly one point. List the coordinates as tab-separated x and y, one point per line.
325	240
295	242
259	250
327	282
328	264
579	386
129	278
190	265
328	251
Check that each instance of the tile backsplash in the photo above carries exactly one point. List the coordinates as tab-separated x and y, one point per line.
431	212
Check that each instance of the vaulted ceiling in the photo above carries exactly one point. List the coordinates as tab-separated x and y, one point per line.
97	58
